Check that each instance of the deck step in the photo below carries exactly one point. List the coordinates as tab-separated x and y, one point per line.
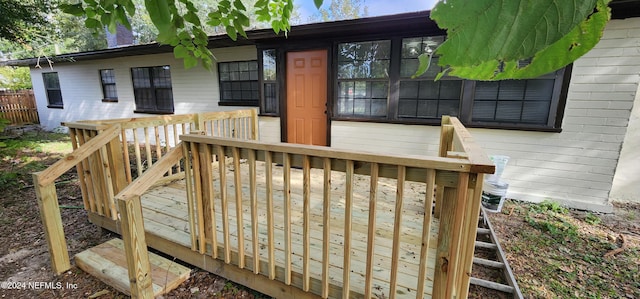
108	263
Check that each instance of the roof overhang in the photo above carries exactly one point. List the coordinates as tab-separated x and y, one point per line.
407	23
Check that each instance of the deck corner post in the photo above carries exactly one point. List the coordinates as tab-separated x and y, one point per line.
135	246
52	223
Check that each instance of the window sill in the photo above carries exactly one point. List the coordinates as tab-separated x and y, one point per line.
55	106
239	103
153	112
110	100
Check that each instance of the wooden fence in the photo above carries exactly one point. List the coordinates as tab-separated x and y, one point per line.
19	107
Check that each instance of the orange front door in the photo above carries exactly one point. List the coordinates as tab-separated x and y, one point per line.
307	97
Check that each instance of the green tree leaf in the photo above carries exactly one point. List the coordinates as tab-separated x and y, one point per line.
73	9
318	3
180	51
486	38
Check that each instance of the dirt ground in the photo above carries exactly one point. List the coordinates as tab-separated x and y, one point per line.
554	253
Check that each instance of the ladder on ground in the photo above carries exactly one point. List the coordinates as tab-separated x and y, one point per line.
485	230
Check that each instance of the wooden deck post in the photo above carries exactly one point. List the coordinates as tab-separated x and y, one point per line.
449	236
52	222
135	246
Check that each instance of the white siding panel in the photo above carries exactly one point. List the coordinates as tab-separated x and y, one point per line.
576	166
194	90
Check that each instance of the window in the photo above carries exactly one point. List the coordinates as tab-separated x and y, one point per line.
52	87
108	79
269	82
239	83
374	83
424	98
152	89
363	79
515	101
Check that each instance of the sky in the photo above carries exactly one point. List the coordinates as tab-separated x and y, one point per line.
376	7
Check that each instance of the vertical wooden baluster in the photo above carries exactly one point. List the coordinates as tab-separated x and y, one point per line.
156	131
125	152
195	154
225	205
286	158
189	178
346	268
147	147
426	232
238	186
395	255
306	198
208	196
268	160
167	145
88	180
98	180
326	228
371	229
80	169
253	189
137	151
184	128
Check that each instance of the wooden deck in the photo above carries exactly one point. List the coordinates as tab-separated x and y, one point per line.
165	213
288	220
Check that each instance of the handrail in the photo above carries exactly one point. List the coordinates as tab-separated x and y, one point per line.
132	224
54	171
48	198
441	163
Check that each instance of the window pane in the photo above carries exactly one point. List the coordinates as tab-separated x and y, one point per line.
409	89
508	110
484	110
450	89
364	60
427	109
448	107
535	112
486	90
269	64
511	90
539	90
407	108
429	90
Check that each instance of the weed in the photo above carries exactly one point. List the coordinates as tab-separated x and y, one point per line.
592	219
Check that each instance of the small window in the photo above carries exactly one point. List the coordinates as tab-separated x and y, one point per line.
239	83
269	83
108	79
363	79
152	89
52	87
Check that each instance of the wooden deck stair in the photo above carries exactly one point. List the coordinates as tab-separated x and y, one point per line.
108	263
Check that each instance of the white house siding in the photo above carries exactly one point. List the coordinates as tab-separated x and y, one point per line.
575	167
626	182
194	90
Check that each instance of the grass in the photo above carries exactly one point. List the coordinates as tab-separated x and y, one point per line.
558	253
29	153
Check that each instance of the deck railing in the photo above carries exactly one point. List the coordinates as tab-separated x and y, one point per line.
456	176
142	142
453	181
101	154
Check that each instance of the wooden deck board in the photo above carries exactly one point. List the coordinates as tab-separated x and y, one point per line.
107	262
165	213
